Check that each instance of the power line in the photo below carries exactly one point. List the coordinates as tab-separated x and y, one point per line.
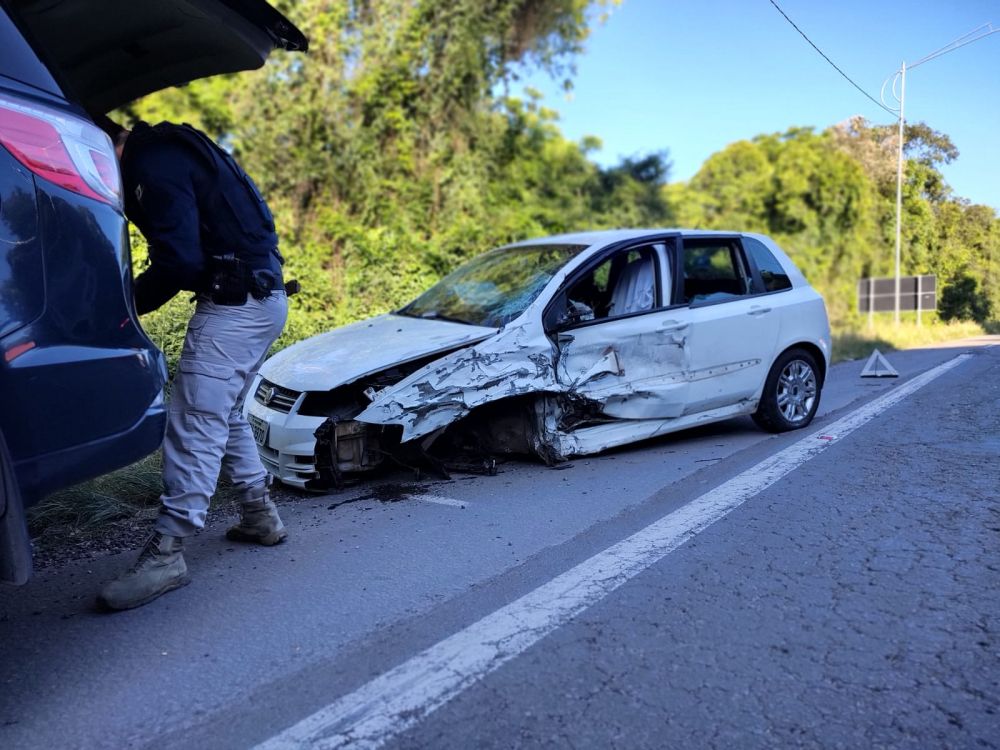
835	67
983	31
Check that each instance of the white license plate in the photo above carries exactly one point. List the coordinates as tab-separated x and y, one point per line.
259	427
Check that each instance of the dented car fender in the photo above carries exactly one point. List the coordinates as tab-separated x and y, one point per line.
517	361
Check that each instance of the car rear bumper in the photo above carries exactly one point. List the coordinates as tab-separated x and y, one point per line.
44	473
52	471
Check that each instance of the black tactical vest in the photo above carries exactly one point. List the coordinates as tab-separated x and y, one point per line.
234	217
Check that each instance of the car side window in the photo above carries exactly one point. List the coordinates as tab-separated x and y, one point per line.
624	284
713	271
775	277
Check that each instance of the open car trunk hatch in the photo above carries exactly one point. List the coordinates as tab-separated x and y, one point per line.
106	53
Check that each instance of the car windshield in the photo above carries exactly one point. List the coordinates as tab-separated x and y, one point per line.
494	288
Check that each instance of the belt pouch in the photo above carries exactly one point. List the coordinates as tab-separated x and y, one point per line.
230	281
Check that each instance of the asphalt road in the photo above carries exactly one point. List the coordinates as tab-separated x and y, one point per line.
849	602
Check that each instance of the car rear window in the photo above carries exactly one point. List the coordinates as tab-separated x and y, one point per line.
19	61
771	273
713	271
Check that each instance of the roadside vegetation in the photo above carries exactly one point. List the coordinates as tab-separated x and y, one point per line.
393	151
856	341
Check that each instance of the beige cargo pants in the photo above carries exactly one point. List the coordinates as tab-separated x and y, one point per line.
206	432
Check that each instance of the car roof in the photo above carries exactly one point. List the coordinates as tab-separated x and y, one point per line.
604	237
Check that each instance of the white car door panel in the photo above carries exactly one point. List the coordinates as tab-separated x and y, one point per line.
732	345
733	330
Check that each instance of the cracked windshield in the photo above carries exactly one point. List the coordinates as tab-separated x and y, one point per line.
494	288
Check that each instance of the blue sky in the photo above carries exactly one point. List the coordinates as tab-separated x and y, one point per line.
691	76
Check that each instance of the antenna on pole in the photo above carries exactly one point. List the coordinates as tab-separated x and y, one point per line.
980	32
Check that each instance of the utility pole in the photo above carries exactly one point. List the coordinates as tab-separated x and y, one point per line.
975	35
899	180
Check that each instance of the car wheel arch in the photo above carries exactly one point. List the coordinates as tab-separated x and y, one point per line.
814	350
789	401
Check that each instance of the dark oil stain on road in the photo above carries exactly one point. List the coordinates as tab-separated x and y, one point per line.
390	492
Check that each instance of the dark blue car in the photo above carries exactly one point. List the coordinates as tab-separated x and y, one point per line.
81	385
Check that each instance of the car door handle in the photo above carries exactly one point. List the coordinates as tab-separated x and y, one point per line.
669	326
759	310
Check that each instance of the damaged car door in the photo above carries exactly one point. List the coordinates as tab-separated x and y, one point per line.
621	347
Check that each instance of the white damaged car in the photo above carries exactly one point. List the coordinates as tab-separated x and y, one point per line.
555	347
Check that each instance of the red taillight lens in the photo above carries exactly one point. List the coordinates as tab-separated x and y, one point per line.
63	149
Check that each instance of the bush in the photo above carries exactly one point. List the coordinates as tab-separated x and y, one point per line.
963	299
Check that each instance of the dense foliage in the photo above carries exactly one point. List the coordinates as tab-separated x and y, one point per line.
392	151
830	198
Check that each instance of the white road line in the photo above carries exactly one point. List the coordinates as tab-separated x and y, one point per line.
398	699
440	500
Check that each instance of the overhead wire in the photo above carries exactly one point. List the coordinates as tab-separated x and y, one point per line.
957	43
825	57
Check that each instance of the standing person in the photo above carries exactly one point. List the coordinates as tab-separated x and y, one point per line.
209	232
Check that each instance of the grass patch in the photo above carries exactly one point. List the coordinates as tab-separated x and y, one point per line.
128	493
854	340
123	503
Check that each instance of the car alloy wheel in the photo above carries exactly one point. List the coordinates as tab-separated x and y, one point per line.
797	392
791	392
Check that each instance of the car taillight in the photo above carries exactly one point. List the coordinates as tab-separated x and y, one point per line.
63	149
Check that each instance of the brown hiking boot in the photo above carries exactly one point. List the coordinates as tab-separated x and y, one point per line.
259	521
159	568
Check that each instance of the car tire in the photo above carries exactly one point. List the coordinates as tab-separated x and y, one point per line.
15	545
791	393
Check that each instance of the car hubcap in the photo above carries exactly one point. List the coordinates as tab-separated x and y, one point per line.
796	391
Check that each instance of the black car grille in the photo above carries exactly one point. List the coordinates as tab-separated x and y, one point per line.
275	397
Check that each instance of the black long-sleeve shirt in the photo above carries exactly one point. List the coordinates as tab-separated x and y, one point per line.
189	205
164	207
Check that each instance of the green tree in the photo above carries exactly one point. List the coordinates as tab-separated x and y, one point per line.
963	300
388	156
800	188
941	234
830	199
391	152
